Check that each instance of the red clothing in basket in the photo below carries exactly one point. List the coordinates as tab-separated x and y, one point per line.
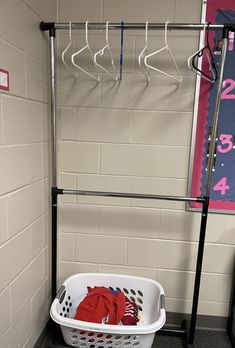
130	316
102	306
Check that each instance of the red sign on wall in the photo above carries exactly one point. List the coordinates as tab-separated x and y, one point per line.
4	80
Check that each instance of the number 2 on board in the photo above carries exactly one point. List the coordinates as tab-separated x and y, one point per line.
231	85
222	186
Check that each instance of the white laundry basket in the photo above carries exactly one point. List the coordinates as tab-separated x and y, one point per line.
146	293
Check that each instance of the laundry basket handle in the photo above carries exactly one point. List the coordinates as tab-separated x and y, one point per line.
162	301
61	294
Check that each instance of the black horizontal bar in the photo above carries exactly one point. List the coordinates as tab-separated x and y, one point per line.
172	331
130	195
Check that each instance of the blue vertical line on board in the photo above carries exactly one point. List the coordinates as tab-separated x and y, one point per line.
121	48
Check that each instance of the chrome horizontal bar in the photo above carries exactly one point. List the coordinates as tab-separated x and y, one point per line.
130	195
139	26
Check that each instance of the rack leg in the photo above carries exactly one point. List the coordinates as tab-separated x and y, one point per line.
191	332
54	242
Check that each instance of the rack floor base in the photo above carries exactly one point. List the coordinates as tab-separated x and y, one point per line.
52	338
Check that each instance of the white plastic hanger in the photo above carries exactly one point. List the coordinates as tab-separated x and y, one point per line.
166	47
91	54
199	54
143	54
101	53
67	48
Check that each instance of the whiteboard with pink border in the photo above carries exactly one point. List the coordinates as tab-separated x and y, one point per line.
222	193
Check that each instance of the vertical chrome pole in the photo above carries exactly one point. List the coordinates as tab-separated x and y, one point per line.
53	110
212	147
54	168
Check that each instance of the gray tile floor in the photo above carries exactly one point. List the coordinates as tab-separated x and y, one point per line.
203	339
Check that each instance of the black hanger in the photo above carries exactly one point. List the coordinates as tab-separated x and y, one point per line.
205	50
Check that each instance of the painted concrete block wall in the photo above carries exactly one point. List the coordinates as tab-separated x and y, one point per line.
24	173
135	137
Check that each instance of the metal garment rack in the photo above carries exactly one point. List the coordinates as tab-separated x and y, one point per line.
188	328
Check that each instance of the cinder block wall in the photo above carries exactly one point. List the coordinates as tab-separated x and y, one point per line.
24	173
134	137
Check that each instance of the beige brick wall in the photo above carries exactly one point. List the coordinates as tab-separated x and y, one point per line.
133	137
25	173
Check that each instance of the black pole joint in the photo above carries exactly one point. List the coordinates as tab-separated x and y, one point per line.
227	28
54	194
201	199
59	191
48	26
206	204
56	191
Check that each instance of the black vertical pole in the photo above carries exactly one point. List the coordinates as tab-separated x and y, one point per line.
198	270
54	197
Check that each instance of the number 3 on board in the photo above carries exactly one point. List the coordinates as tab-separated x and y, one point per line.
222	186
226	139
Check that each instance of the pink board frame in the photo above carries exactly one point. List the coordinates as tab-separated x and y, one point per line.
204	92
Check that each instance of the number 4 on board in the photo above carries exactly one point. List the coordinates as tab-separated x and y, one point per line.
222	186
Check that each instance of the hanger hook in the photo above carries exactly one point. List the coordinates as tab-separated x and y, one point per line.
67	48
207	33
205	27
142	55
107	32
166	24
146	32
204	31
70	31
87	34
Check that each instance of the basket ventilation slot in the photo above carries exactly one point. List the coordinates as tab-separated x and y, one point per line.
98	340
